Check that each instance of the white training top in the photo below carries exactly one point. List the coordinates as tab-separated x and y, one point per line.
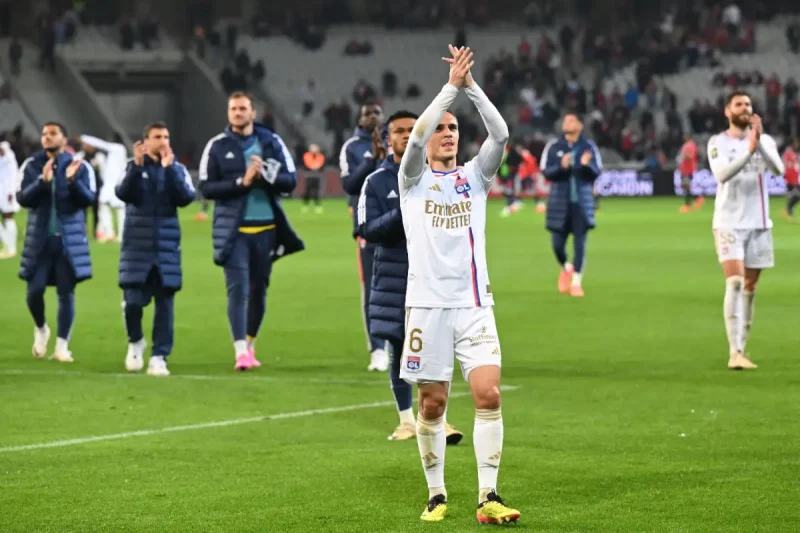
742	200
116	160
444	213
8	168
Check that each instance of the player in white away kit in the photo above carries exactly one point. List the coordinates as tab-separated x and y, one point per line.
448	299
8	201
116	162
739	158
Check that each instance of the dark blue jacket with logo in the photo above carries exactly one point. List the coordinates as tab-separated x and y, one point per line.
221	165
558	202
381	223
356	162
71	198
152	195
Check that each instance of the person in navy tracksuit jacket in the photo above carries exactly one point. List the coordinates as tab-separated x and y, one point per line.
571	163
56	188
244	170
380	222
358	158
153	188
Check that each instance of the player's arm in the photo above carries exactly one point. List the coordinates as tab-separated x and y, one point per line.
375	223
591	170
31	188
769	150
280	171
551	164
127	190
180	186
490	156
212	185
413	162
353	182
99	143
724	171
80	186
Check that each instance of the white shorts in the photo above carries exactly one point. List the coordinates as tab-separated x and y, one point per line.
753	246
8	197
435	336
109	197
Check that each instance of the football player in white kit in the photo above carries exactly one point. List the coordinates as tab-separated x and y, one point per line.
116	161
448	299
739	158
8	201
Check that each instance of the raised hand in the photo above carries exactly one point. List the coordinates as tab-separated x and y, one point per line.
460	65
378	150
586	157
167	156
47	171
566	160
752	138
757	124
253	171
139	151
72	169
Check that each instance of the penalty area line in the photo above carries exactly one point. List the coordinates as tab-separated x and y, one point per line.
208	425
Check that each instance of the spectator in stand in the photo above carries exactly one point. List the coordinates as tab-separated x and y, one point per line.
793	36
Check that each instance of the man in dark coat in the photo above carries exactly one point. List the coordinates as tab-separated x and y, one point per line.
55	189
571	162
381	225
244	170
153	189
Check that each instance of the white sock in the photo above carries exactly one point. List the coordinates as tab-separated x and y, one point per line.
576	279
120	222
432	443
487	438
732	309
748	306
105	226
240	347
407	417
3	238
62	346
10	235
251	343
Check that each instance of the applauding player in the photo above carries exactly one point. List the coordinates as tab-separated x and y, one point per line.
739	157
449	300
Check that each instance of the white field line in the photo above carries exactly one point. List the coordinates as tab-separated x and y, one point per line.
207	425
250	377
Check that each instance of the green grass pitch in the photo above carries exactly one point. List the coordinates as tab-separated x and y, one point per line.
625	418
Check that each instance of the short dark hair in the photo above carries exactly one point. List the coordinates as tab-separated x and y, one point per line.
736	93
242	94
160	125
58	125
397	115
573	114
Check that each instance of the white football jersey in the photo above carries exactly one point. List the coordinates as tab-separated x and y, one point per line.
742	202
444	216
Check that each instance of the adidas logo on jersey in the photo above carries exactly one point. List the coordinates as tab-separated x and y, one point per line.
391	194
229	155
496	351
435	187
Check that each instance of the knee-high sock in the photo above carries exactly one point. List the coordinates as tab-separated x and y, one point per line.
748	309
400	388
120	222
432	443
579	246
732	309
66	314
487	438
106	225
9	235
35	301
559	242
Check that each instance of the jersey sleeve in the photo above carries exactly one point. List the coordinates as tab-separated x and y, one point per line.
769	150
412	165
490	155
722	170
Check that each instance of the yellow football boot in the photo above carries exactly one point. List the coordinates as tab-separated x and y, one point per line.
495	511
436	509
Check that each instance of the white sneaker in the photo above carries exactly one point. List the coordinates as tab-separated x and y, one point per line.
134	360
63	356
40	340
157	366
379	361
